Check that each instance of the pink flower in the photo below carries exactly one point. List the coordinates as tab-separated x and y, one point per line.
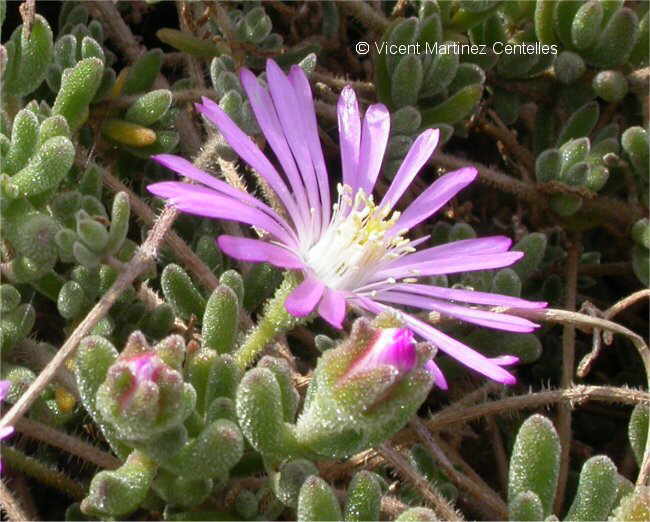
357	250
393	347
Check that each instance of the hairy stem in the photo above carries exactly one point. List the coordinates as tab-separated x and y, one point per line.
45	474
568	364
439	503
10	505
275	321
73	445
487	499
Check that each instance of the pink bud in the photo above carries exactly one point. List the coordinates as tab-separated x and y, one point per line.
391	346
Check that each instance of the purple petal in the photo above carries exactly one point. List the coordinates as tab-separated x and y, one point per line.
285	100
304	97
302	301
188	170
201	201
509	323
463	247
185	168
349	134
468	296
267	118
4	389
374	137
332	307
464	354
6	432
250	153
438	376
256	251
505	360
433	198
451	265
416	157
392	346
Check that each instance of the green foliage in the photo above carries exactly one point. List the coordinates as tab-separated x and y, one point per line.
534	465
181	292
638	430
28	55
317	501
597	490
120	492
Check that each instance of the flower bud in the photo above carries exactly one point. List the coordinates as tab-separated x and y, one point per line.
143	395
364	390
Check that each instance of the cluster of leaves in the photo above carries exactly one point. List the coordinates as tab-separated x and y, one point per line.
207	436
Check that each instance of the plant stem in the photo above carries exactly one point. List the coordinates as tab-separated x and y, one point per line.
372	19
73	445
45	474
568	364
275	321
440	504
487	499
10	505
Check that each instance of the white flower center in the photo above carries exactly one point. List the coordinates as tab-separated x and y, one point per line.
356	243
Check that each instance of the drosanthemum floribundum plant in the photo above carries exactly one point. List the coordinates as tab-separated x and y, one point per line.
355	251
